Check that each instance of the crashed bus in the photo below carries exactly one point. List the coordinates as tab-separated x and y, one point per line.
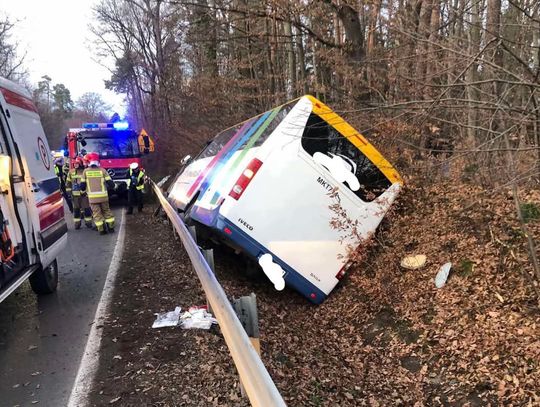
295	189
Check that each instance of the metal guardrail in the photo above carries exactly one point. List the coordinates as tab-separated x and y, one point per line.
259	386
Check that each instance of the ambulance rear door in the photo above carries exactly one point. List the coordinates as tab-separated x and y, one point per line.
39	188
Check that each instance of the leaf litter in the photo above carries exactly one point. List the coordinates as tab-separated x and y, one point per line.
385	336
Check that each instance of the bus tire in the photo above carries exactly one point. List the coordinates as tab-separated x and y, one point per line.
252	270
45	280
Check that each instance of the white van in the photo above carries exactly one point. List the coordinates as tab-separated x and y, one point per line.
33	230
296	188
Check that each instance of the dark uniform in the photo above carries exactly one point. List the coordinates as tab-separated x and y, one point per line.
60	170
135	189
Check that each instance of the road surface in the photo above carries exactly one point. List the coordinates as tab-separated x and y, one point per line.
42	339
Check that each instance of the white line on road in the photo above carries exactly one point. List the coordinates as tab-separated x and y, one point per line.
90	359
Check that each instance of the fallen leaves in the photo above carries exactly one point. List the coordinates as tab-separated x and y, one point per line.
384	337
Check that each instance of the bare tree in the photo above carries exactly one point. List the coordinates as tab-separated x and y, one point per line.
11	62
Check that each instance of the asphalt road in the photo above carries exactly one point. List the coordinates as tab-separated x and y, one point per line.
42	339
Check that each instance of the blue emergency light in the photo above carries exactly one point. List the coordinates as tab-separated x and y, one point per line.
116	126
121	125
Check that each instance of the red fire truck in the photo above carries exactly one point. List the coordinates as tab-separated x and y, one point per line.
117	145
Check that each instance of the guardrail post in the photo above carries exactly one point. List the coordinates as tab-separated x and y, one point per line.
246	309
208	255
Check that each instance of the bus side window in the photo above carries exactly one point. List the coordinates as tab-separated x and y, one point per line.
321	137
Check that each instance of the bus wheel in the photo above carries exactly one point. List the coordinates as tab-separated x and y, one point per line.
252	269
45	280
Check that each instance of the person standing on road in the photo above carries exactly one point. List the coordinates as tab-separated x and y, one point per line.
78	197
135	188
59	171
96	182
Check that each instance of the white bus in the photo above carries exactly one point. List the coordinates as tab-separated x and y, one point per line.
295	188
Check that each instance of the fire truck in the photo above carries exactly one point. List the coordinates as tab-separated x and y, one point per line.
33	230
117	145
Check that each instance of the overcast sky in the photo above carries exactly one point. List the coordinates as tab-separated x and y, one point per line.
55	35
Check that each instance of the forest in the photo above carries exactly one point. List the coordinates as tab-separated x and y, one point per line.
448	90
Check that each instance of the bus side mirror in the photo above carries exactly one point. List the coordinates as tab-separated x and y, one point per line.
185	160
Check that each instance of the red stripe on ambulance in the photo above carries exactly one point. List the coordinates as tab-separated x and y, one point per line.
15	99
51	210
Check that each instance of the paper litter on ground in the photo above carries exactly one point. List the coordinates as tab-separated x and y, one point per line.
170	318
197	317
442	275
194	318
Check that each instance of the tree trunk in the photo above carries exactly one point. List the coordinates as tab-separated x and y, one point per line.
291	60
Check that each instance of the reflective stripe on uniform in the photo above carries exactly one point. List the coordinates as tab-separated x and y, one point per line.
94	174
90	177
73	180
97	194
139	177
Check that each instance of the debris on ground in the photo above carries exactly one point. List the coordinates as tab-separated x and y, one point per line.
197	318
414	262
442	275
384	337
167	318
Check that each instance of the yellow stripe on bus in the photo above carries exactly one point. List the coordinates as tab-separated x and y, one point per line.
334	120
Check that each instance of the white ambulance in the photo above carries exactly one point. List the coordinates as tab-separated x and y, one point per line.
295	188
33	230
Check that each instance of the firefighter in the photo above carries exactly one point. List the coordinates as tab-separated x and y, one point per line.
65	168
85	159
135	188
96	182
79	198
59	171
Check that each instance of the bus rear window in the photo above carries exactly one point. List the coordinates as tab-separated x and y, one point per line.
321	137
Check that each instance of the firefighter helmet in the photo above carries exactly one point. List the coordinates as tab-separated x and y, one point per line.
93	158
134	166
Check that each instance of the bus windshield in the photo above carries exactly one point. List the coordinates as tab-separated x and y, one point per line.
109	147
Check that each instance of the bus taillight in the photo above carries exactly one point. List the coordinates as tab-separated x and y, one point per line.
341	273
245	178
